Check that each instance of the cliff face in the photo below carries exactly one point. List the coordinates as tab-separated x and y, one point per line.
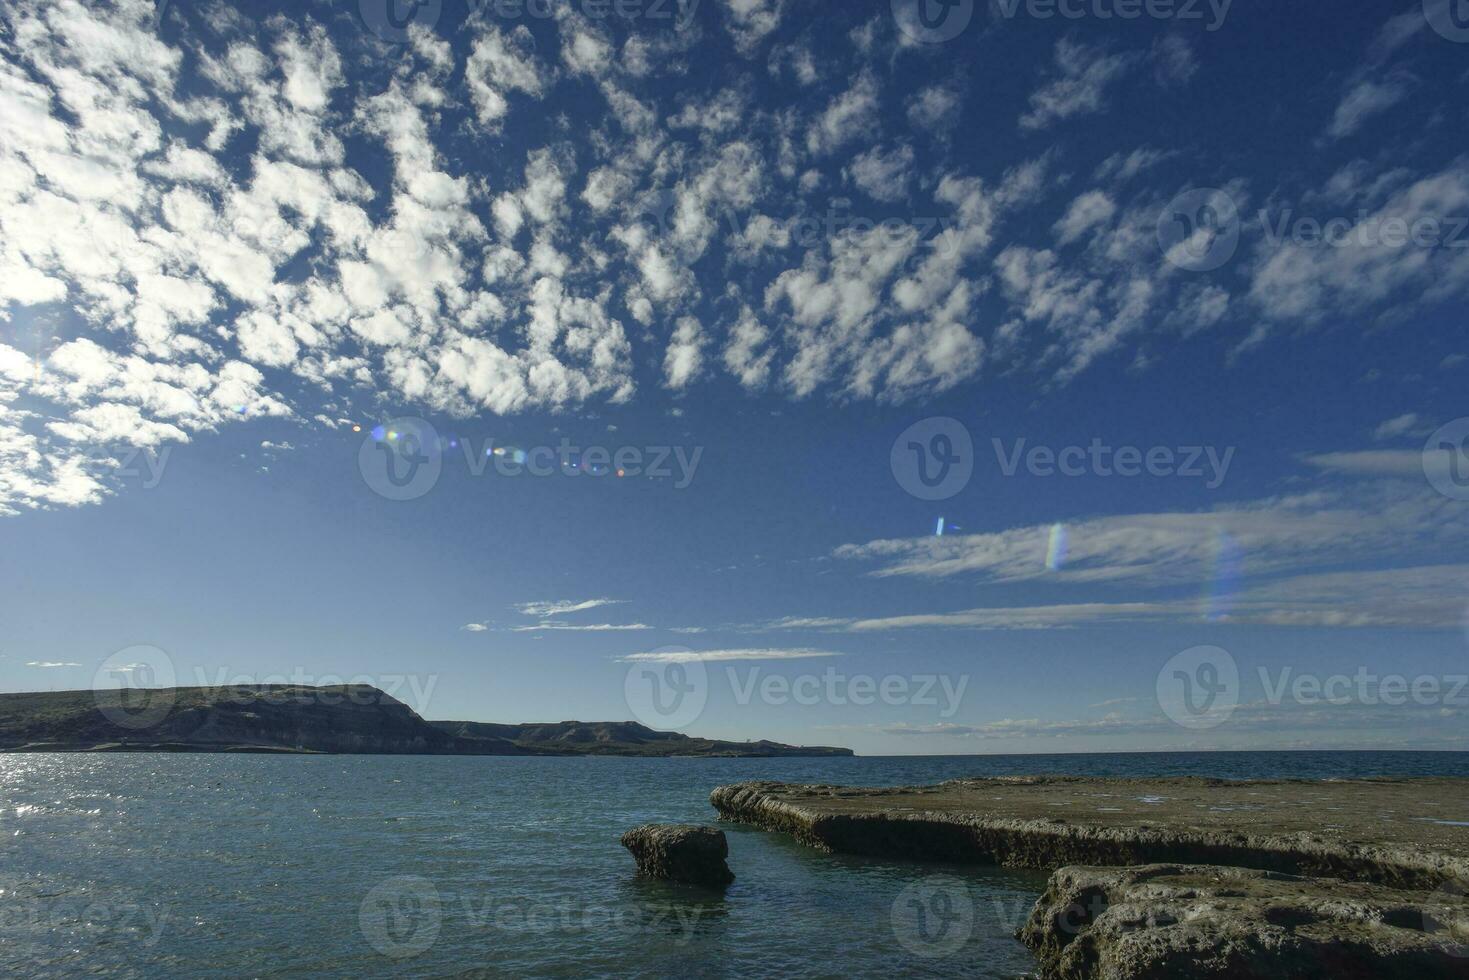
342	719
623	738
353	718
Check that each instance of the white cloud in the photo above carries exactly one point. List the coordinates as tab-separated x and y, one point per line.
184	206
1396	427
581	628
935	108
692	656
563	607
500	62
883	176
1380	520
1123	167
849	116
1364	100
1174	61
747	355
1083	75
1086	212
1396	252
685	357
751	21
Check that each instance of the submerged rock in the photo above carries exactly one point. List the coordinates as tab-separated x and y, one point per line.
680	852
1189	921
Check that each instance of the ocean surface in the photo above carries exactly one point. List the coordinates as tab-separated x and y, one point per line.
349	866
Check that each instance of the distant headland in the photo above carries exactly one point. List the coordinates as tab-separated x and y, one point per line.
354	719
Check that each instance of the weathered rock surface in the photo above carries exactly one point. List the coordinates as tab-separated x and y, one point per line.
680	852
1408	833
1161	922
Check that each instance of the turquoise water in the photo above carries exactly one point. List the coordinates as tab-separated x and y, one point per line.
326	866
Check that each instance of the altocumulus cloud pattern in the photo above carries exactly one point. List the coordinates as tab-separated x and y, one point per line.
214	212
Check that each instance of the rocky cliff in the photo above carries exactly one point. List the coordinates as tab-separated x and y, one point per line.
341	719
623	738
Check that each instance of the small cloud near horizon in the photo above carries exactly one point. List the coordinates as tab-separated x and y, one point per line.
690	656
561	607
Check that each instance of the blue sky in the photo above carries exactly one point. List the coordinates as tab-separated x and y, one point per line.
240	243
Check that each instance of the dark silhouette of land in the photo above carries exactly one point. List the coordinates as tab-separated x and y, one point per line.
343	719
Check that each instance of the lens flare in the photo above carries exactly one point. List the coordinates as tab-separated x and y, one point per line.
1056	548
1224	582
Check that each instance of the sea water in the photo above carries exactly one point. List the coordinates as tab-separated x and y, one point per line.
344	866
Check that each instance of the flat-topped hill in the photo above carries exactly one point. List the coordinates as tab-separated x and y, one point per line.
334	719
622	738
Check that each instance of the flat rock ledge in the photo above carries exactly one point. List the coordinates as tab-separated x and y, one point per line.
1407	833
681	852
1161	922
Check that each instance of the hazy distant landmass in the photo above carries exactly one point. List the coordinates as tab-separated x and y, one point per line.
345	719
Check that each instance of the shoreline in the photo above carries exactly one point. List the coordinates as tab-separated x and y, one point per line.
1180	876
